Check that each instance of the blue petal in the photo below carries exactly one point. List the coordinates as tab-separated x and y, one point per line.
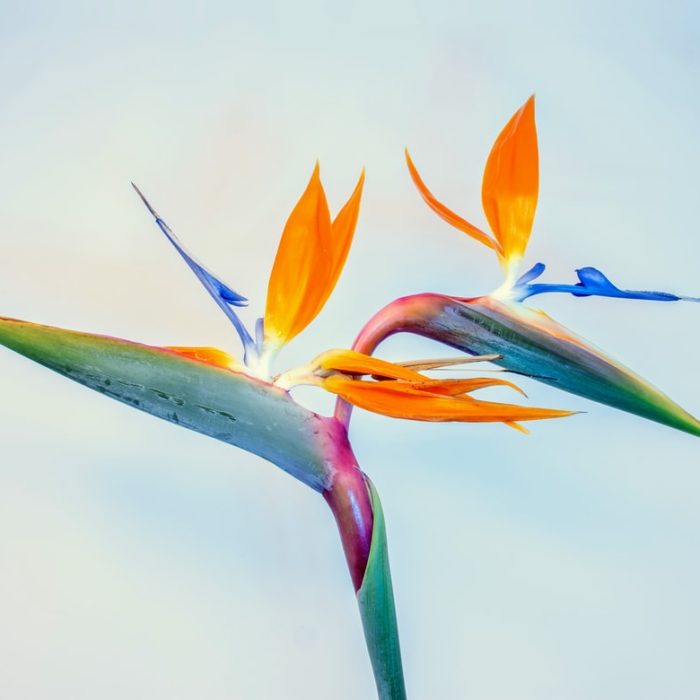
596	283
222	294
591	276
592	282
259	335
533	273
530	290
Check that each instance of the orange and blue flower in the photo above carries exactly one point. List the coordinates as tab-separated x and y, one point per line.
310	258
244	404
527	340
509	193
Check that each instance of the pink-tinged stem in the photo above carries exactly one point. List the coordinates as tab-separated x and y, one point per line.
401	315
349	499
358	512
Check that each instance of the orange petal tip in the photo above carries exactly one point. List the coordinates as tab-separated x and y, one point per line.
309	260
511	183
445	212
398	399
208	355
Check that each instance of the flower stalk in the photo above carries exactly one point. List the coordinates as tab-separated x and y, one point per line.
358	514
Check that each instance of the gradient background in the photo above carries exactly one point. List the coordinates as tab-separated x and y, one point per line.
139	560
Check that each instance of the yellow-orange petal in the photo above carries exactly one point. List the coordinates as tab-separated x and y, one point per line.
212	356
455	387
400	400
299	274
309	260
511	182
343	230
353	362
447	214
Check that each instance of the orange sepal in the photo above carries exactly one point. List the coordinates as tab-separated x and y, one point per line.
401	400
353	362
298	274
447	214
343	230
309	260
212	356
511	182
456	387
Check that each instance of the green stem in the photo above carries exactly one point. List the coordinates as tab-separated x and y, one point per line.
358	512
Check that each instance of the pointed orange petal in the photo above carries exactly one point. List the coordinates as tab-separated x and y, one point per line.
343	230
455	387
400	400
212	356
353	362
310	258
447	214
511	182
300	273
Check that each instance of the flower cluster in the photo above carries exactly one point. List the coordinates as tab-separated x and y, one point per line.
310	258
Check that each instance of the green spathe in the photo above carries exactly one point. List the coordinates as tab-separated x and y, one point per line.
551	354
529	343
223	404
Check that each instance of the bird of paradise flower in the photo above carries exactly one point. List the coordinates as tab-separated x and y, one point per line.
242	402
526	340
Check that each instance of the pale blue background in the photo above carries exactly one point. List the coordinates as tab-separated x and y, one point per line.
139	560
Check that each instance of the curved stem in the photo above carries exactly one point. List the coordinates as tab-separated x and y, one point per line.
358	514
349	500
396	317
